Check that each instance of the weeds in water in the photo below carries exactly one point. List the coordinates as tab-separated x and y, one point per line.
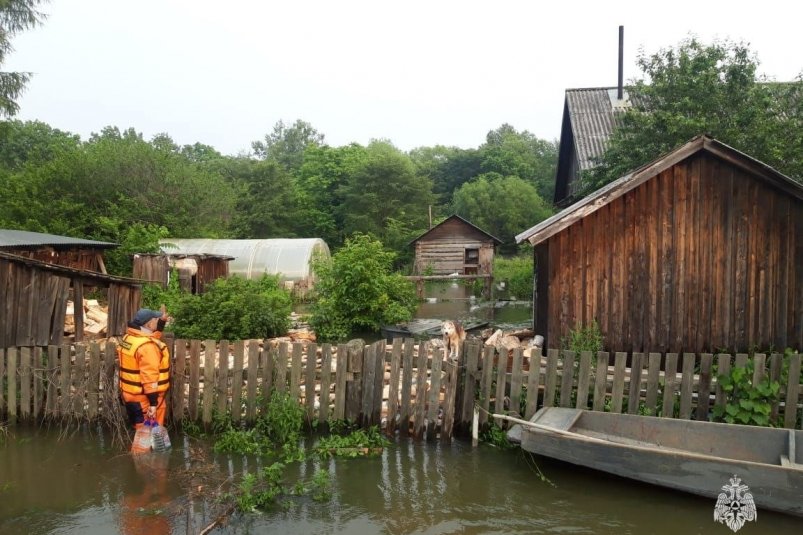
529	459
358	443
496	436
259	491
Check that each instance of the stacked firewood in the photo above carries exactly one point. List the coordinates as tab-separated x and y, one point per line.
96	318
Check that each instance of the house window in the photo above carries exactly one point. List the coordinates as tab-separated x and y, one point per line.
472	256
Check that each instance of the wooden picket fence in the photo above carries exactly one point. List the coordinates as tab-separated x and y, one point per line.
406	387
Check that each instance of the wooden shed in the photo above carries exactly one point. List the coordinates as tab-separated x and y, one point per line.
195	271
66	251
34	294
455	246
698	251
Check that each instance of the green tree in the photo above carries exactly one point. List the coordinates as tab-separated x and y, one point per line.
695	89
15	17
447	168
286	144
512	153
383	186
356	290
502	206
32	143
266	205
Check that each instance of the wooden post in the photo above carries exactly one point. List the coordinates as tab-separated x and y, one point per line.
222	383
11	356
467	401
516	380
326	383
237	381
449	401
210	349
670	382
704	390
583	380
25	383
393	388
485	385
406	387
340	382
195	379
251	388
420	390
532	383
634	392
686	385
551	377
567	379
601	380
309	381
369	374
620	360
93	381
434	392
295	371
792	392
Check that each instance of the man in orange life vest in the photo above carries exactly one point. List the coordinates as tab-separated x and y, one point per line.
144	367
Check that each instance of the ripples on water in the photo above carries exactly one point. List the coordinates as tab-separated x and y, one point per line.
81	485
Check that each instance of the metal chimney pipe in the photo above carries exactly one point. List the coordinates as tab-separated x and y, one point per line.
620	90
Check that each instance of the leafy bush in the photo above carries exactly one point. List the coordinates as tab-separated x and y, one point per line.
358	443
234	308
745	402
584	338
357	291
517	273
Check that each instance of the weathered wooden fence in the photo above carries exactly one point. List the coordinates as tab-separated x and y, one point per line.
406	387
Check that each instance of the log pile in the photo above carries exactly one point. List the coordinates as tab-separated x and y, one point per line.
96	319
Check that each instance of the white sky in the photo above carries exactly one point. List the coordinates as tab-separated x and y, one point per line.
418	73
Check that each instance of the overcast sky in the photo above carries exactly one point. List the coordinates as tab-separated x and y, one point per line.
419	73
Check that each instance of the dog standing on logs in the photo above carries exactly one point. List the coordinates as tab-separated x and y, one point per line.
453	337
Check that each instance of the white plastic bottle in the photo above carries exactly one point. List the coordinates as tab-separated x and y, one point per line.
159	437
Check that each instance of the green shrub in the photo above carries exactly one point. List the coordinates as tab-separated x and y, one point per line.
234	308
745	402
584	338
517	274
356	290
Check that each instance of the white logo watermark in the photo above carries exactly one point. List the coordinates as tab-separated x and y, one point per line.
735	506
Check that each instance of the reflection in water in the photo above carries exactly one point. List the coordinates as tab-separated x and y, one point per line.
74	485
142	510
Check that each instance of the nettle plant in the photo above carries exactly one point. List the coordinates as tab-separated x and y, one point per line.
746	403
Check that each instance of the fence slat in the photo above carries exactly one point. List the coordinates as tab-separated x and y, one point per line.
222	382
687	385
295	371
551	379
501	385
434	392
51	381
583	380
485	386
38	381
393	387
11	365
65	362
653	374
670	385
280	371
178	379
326	383
759	360
210	348
776	364
25	383
792	392
269	360
379	383
634	388
78	380
354	383
704	390
533	377
368	384
450	400
617	395
93	390
194	393
3	356
741	360
406	388
309	380
516	379
237	381
469	392
567	379
723	368
601	380
251	378
340	382
420	390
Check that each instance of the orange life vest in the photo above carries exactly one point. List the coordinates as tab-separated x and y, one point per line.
130	381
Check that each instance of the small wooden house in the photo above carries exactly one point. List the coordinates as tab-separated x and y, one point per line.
60	250
455	246
698	251
195	271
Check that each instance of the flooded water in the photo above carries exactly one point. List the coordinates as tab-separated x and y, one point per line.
79	484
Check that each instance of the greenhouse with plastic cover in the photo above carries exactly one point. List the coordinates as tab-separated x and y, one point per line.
291	259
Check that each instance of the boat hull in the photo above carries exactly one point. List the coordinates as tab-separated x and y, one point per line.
773	487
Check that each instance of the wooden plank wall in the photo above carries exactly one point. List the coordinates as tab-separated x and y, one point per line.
704	257
410	387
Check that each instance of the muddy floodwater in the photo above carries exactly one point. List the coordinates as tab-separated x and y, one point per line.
50	484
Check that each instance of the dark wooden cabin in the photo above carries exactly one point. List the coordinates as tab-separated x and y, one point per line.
698	251
34	294
195	271
60	250
455	246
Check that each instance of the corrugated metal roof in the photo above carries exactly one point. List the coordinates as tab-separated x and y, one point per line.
592	112
23	238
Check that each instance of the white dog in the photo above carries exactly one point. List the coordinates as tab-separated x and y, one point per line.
453	337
